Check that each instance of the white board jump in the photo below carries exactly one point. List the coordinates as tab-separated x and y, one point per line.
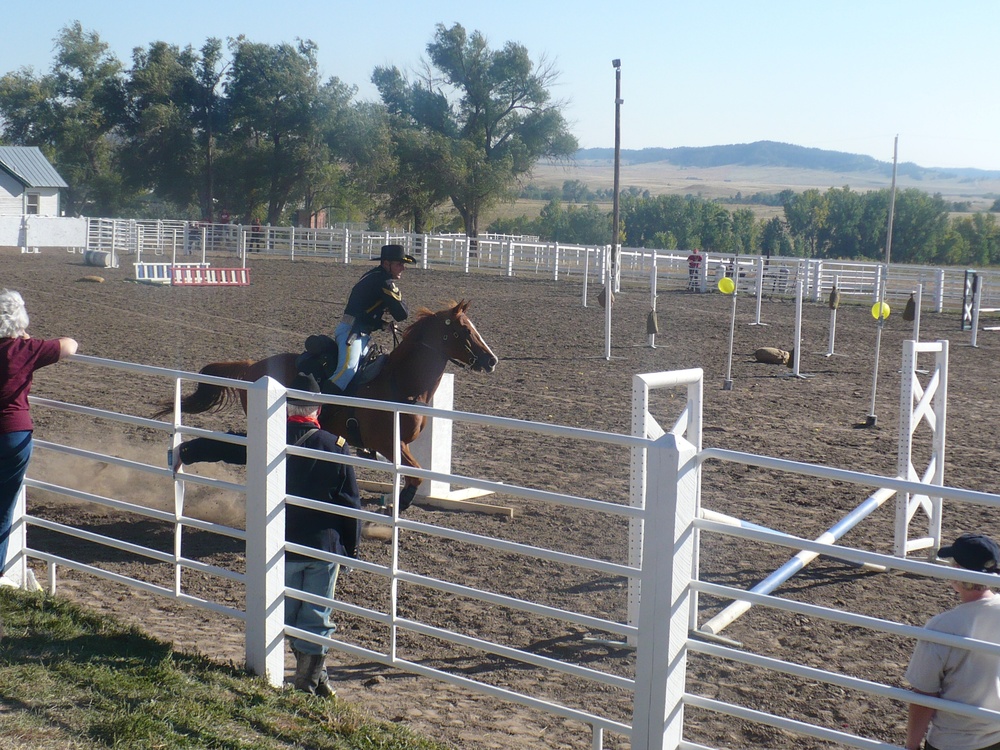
161	273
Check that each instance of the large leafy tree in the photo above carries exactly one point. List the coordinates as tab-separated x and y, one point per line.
282	121
160	124
840	234
919	226
396	163
806	214
71	113
487	114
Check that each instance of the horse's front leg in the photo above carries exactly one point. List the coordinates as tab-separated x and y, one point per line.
410	484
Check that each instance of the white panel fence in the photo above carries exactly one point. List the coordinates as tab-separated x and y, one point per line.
234	244
661	618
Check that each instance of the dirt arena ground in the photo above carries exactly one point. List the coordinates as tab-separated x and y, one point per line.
551	369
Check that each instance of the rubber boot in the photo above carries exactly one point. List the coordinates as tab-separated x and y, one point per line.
321	678
304	681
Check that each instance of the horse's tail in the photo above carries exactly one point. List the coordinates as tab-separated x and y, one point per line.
208	397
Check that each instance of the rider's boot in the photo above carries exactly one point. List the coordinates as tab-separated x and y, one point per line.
330	388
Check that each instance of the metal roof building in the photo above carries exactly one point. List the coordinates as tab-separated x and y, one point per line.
28	165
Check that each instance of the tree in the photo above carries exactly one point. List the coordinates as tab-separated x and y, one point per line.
160	123
806	214
281	122
488	118
840	234
919	227
745	230
71	114
774	239
396	164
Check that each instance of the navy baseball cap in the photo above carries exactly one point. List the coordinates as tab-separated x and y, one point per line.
973	552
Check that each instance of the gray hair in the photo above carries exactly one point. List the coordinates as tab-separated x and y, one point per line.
13	315
301	409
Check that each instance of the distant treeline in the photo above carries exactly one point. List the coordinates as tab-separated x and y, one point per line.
839	223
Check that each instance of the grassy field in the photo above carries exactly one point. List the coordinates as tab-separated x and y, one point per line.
662	178
72	680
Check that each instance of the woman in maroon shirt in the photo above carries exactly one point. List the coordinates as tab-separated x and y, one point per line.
20	356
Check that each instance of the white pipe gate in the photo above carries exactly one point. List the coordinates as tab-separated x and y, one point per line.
666	467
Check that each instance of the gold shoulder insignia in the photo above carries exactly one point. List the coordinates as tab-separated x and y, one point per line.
341	442
393	291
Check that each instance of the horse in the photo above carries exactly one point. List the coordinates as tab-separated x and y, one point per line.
410	374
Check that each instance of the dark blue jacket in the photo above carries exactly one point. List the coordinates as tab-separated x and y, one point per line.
306	477
374	294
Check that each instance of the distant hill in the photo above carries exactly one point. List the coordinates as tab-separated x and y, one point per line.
774	154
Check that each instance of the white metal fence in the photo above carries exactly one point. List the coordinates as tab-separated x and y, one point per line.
644	696
157	241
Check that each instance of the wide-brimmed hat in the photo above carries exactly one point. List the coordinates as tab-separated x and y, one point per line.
395	252
303	382
973	552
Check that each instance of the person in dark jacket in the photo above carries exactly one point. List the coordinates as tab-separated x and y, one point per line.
327	481
374	295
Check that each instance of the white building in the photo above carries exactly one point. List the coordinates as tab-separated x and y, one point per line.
29	184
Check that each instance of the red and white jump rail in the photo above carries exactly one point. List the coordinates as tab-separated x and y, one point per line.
205	276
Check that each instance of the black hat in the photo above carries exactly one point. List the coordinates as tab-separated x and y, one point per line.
303	382
395	252
973	552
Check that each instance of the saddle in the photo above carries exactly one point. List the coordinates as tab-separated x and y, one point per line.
320	360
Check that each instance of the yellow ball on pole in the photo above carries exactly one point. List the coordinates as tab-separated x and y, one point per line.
727	285
880	310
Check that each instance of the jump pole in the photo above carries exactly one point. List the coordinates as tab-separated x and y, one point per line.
760	290
586	274
977	291
872	419
608	296
795	373
652	299
916	404
718	623
917	295
833	319
730	287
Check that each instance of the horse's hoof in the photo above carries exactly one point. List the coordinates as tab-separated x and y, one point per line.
406	496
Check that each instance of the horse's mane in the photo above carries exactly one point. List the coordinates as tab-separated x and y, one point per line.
424	316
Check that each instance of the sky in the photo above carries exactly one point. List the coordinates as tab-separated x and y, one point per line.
842	75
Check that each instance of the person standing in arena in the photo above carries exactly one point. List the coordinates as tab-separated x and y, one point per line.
695	260
20	356
374	295
954	673
327	481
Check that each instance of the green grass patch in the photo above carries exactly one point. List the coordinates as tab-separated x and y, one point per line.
72	679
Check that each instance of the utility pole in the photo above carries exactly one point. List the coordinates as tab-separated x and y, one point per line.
618	148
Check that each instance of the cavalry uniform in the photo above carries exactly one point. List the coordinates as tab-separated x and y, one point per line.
328	482
375	294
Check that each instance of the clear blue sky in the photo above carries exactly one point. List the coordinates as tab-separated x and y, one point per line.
848	75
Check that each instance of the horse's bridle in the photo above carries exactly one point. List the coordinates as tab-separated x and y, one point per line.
473	358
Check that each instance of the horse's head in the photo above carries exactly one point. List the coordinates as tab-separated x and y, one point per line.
453	333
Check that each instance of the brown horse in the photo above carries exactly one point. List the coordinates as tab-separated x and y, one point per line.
411	374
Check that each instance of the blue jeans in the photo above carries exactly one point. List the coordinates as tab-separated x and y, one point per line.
15	451
314	577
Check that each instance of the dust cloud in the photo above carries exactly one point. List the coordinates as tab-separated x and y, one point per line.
132	485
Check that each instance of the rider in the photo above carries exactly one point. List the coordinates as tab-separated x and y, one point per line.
375	294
